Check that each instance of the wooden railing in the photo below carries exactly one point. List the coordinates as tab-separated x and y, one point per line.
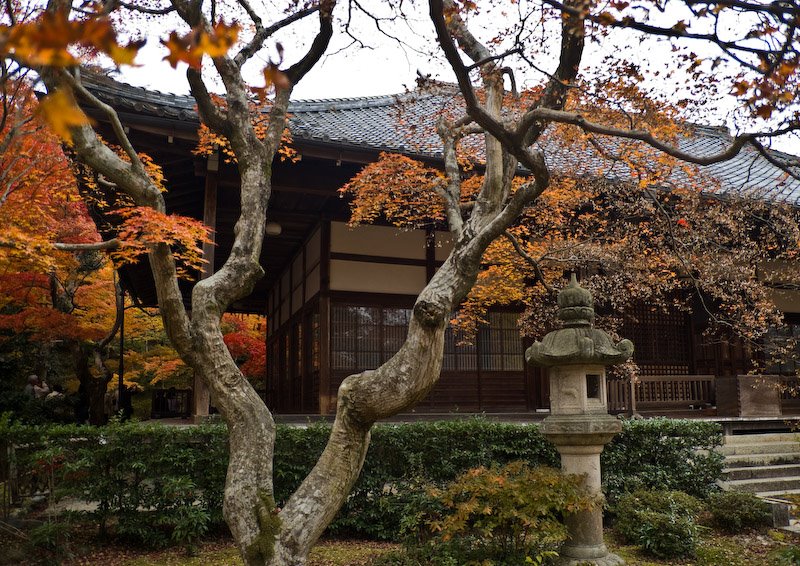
790	395
171	403
667	392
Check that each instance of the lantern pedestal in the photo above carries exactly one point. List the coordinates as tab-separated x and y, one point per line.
580	425
579	440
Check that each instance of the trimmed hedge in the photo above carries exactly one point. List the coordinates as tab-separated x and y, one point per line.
664	454
140	471
153	484
736	511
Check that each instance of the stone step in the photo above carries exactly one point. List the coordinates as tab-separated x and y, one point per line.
762	472
759	448
778	494
761	486
759	438
750	460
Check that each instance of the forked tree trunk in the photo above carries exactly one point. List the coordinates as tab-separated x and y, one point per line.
264	535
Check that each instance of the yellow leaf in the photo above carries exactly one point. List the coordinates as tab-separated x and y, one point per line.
61	113
217	44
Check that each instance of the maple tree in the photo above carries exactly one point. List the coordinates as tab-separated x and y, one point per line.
56	287
548	37
61	300
670	249
244	337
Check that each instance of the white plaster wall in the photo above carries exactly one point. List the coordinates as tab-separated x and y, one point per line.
377	277
377	241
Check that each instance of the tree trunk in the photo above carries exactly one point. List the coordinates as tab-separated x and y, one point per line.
248	503
97	402
94	386
94	396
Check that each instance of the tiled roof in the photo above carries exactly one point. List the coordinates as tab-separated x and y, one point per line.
406	123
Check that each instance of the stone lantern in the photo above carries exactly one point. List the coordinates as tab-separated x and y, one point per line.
579	424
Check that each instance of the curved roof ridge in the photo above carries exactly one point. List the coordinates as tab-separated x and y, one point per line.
114	86
345	103
406	123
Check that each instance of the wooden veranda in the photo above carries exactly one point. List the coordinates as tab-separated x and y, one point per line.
707	395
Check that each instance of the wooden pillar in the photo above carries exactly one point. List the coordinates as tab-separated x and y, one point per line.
632	412
200	397
326	398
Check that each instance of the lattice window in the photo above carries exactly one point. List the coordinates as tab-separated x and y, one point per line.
365	337
395	330
459	354
315	334
661	341
498	346
782	349
298	351
500	343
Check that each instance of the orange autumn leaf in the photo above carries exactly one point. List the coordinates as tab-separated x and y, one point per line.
274	77
60	112
178	50
143	227
191	47
218	43
46	40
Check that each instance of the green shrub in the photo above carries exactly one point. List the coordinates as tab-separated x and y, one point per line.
154	484
130	467
660	453
661	522
430	453
501	515
733	511
49	542
666	535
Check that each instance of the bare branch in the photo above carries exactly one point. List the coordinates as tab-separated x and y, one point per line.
514	142
210	114
111	114
264	33
297	71
119	304
785	12
145	9
645	136
451	194
537	269
491	58
789	168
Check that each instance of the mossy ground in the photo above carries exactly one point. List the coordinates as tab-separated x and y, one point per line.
716	549
766	548
338	553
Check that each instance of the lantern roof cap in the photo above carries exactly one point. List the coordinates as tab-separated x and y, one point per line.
578	341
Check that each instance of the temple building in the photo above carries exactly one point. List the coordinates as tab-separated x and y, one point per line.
338	299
